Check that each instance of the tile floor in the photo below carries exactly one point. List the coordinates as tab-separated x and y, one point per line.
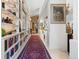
59	55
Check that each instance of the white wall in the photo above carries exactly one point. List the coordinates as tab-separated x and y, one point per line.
74	42
34	12
58	39
42	14
58	36
75	19
74	5
58	1
73	49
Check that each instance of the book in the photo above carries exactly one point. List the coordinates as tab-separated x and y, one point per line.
5	45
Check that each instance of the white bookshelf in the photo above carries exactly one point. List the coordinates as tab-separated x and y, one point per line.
12	45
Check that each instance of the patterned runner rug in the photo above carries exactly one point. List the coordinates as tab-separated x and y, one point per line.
34	49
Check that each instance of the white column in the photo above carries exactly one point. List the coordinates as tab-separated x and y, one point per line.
2	49
75	19
17	19
17	16
26	23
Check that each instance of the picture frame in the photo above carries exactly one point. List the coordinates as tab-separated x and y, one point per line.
58	13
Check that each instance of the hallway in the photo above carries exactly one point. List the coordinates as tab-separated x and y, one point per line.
34	49
39	29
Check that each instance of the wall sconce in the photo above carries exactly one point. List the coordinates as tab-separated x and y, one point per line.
68	8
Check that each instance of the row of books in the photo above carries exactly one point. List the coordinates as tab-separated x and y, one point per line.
9	42
12	51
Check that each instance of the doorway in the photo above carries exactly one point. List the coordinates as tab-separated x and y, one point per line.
34	25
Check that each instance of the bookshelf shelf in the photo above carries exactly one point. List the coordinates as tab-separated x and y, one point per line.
12	44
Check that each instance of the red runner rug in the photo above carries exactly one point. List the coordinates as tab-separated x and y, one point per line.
34	49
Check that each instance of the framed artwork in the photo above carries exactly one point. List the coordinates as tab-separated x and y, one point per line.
58	14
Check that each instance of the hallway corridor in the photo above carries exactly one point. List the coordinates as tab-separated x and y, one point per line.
34	49
39	29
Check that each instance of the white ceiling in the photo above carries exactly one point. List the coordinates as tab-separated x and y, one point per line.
34	4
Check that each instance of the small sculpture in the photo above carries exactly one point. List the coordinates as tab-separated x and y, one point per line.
68	28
